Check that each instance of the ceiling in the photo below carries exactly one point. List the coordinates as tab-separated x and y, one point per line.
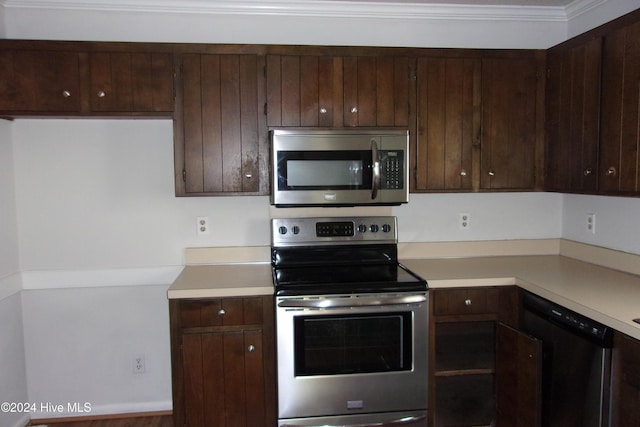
541	3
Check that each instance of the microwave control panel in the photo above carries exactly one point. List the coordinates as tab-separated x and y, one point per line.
391	169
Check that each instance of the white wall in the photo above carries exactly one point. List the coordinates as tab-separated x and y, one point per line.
616	224
13	385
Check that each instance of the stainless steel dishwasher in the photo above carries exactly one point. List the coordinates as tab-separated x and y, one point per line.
576	367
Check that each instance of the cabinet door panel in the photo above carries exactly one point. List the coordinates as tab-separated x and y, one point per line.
447	123
509	123
254	379
220	106
40	81
131	82
518	378
573	116
619	171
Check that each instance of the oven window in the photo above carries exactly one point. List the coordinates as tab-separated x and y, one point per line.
335	345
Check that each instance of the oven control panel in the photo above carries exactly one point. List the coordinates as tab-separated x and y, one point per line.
313	231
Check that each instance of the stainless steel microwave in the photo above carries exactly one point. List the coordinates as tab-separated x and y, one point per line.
339	167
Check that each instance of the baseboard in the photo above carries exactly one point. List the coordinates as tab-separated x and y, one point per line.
81	418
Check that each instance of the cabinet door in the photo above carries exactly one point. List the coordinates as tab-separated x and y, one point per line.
39	81
619	169
304	90
337	91
376	91
573	117
448	115
625	400
218	149
131	82
518	378
224	379
509	123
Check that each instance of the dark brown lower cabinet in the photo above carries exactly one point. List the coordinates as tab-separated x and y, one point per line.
483	371
223	362
626	381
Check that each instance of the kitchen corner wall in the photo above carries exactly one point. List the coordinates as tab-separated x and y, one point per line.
13	383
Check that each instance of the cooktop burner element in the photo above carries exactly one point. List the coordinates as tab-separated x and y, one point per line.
315	256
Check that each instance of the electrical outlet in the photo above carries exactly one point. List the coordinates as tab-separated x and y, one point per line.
139	365
464	221
591	223
202	223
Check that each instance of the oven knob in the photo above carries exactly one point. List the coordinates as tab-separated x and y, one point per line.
374	228
282	230
362	228
386	228
295	229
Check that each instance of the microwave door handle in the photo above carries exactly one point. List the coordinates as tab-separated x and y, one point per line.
375	179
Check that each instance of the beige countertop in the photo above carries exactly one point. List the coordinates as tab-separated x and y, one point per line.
606	295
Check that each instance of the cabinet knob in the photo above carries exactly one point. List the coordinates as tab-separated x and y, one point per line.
612	171
221	312
251	348
354	110
588	171
101	94
492	173
66	94
248	175
463	172
323	110
467	302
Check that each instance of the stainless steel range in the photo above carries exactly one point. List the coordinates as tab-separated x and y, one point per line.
352	325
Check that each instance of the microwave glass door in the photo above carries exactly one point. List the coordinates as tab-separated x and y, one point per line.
322	170
348	344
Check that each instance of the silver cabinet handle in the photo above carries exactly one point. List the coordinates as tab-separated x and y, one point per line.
588	171
221	312
248	175
251	348
354	110
101	94
463	172
492	173
612	171
467	302
323	110
66	94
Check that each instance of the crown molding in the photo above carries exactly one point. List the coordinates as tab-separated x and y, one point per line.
311	8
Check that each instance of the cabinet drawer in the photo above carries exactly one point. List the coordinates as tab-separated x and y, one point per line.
466	301
221	312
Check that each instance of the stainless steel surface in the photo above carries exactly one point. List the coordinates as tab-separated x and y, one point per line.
333	141
403	419
305	233
328	395
371	300
576	372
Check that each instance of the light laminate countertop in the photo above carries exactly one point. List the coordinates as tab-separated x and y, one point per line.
605	295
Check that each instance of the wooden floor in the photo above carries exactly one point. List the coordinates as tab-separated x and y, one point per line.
151	421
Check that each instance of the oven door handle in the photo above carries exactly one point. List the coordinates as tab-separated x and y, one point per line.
375	176
352	302
393	423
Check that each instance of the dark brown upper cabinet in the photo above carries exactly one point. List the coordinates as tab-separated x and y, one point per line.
512	122
573	117
337	91
131	82
220	132
39	82
448	123
619	172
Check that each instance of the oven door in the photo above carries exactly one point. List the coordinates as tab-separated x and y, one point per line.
352	354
